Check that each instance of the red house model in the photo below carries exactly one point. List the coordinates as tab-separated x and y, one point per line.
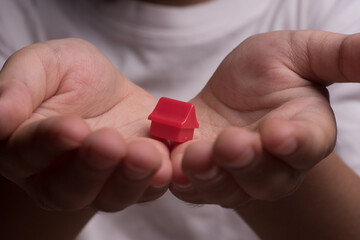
173	120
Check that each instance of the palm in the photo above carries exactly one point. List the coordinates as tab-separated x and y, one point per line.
268	118
124	110
76	125
263	79
246	93
98	93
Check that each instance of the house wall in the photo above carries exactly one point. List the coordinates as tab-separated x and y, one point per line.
171	133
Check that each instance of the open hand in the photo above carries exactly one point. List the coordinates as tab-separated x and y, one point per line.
265	118
74	132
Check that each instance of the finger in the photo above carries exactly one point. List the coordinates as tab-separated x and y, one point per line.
181	186
163	176
260	175
76	181
213	184
131	178
24	83
177	154
152	193
319	56
160	182
187	193
36	146
14	108
299	143
325	57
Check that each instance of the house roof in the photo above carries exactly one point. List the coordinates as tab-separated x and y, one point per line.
174	113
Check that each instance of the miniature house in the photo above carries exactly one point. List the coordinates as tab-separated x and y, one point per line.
173	120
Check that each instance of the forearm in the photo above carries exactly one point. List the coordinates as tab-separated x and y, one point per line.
22	219
326	206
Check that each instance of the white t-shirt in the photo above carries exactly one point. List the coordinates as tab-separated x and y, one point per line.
173	51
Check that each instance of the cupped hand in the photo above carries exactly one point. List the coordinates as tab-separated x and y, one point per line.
265	118
75	132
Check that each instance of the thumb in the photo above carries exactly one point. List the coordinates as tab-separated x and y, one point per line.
325	57
35	73
22	87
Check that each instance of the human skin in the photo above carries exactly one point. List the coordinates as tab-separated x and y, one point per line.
279	105
273	90
57	127
60	103
324	207
312	212
63	106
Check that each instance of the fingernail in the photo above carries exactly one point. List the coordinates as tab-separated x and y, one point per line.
288	147
209	174
135	173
